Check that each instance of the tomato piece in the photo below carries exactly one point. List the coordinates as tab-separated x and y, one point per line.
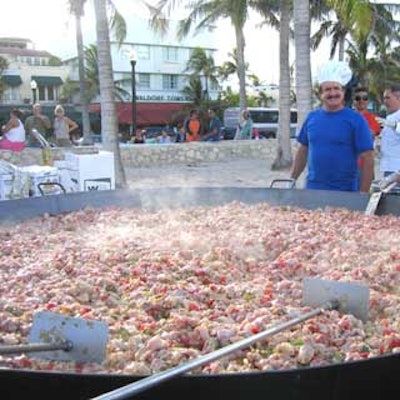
255	329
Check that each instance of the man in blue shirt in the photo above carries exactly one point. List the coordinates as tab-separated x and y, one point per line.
213	133
332	139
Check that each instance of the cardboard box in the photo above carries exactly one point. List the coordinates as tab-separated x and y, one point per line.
6	184
97	184
39	174
84	172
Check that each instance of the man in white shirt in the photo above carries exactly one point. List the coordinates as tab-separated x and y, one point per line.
390	142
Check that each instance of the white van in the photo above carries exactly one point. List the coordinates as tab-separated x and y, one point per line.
264	119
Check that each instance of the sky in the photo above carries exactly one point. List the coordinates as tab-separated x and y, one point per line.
54	30
50	27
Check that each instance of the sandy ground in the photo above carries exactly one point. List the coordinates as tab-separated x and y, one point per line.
233	173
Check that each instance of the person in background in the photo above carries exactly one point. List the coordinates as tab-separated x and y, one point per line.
213	133
13	132
333	137
140	136
390	134
360	103
164	137
63	126
245	127
39	122
180	133
193	127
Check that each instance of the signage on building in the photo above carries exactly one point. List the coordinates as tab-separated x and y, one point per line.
163	98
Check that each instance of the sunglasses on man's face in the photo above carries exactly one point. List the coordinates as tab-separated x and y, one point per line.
359	98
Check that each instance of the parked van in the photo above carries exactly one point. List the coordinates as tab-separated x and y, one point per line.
264	119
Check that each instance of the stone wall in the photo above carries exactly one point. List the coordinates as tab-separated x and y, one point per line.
143	155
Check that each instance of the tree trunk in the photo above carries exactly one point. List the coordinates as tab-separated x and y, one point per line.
301	15
87	137
341	49
284	157
109	120
240	43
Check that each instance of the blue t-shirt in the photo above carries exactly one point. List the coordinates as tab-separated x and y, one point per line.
334	140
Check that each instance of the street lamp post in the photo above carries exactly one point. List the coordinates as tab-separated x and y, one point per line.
132	59
33	88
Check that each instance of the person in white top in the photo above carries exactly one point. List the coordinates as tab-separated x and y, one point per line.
13	132
390	142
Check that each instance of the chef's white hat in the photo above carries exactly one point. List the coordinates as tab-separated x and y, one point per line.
334	71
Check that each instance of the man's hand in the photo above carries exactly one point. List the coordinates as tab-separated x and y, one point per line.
381	121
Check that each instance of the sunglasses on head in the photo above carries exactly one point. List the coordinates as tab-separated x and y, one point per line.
358	98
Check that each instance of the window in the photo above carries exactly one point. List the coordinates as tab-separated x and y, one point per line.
214	86
170	82
270	116
143	52
170	54
143	81
50	92
47	92
11	93
42	93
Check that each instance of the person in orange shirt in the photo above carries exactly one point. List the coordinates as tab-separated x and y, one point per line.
193	127
360	102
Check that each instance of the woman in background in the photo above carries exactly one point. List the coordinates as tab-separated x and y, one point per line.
140	136
63	126
245	127
13	132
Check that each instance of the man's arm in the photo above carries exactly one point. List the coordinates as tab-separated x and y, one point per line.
300	161
28	125
46	121
367	170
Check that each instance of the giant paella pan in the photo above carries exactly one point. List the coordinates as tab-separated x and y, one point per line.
180	273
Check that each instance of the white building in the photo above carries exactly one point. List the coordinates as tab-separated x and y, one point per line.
160	73
25	65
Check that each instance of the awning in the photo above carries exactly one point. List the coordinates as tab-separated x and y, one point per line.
48	80
147	113
11	80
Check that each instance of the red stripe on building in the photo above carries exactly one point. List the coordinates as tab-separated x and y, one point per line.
148	113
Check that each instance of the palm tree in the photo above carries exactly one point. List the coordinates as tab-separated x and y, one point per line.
77	9
201	64
302	22
353	17
230	67
92	76
3	66
374	34
109	120
384	34
71	88
206	13
194	91
284	156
